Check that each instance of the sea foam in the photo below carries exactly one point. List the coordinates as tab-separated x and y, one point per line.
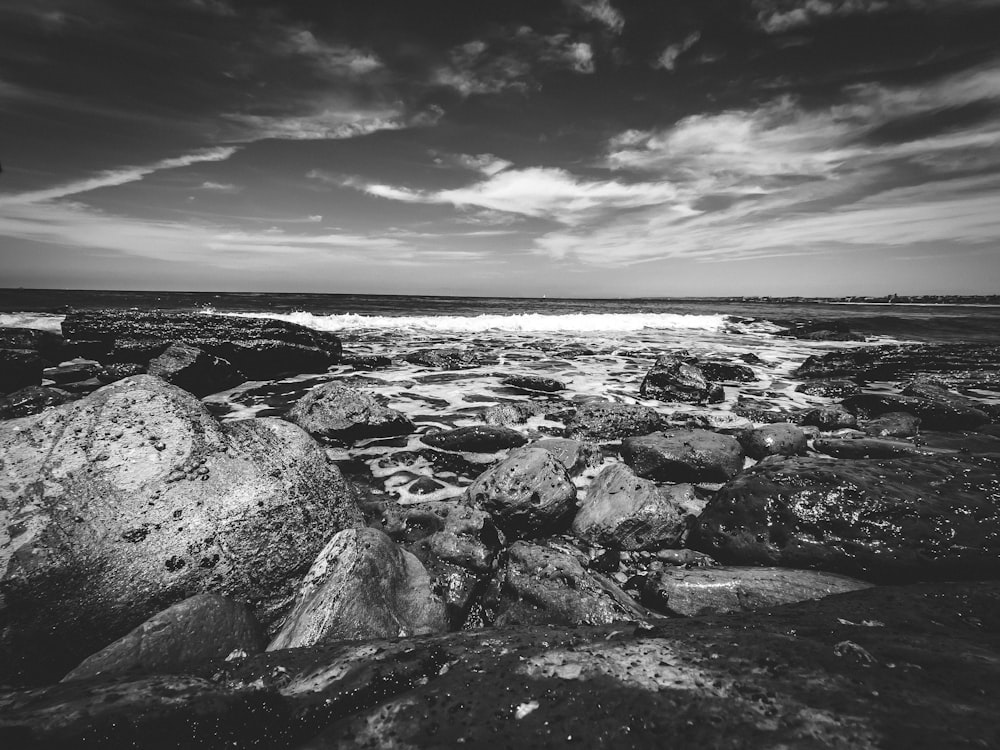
41	321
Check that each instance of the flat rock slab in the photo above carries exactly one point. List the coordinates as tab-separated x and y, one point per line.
684	456
475	439
534	383
893	362
606	420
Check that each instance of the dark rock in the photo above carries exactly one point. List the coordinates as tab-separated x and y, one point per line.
678	377
73	372
534	383
829	388
134	498
622	511
119	370
31	400
527	494
728	372
338	412
607	420
899	519
764	412
821	330
829	418
781	439
366	362
361	586
424	486
19	369
194	370
751	359
48	345
684	456
937	392
892	424
934	414
863	447
511	413
896	361
445	358
82	387
475	439
198	629
686	558
577	456
260	348
716	590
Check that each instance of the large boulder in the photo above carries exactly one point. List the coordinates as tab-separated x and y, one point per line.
527	494
622	511
362	585
198	629
338	412
607	420
898	519
475	439
684	456
19	369
678	377
135	497
194	370
260	348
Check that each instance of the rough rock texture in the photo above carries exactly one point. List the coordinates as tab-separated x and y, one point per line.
445	358
622	511
678	377
728	371
120	370
935	414
829	388
608	420
261	348
19	369
684	456
834	417
764	412
780	439
31	400
527	494
508	414
577	456
475	439
198	629
892	424
907	667
362	585
534	383
120	504
194	370
894	362
366	361
700	591
901	519
863	447
73	372
338	412
542	584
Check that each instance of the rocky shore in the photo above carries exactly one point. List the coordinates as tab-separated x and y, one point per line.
703	566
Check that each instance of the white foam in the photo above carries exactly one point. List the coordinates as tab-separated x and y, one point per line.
41	321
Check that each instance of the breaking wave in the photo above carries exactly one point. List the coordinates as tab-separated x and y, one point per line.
41	321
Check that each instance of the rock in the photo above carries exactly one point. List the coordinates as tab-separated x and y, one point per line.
338	412
678	377
198	629
527	494
751	358
260	348
821	330
120	370
607	420
577	456
728	372
134	498
829	388
366	361
622	511
684	456
780	439
445	358
829	418
534	383
894	362
765	411
937	392
892	424
863	447
934	414
717	590
73	372
48	345
883	520
475	439
361	586
511	413
194	370
541	584
31	400
19	369
82	387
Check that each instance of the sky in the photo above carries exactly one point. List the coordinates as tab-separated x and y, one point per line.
574	148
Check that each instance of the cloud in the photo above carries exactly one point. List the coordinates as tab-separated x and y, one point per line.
779	16
601	11
333	60
488	164
213	7
221	187
114	177
668	58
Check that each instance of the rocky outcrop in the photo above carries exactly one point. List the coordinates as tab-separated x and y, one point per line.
338	412
534	383
361	585
901	519
934	413
199	629
678	377
863	447
445	358
194	370
475	439
717	590
260	348
780	439
131	499
19	369
527	494
48	345
622	511
31	400
684	456
606	420
895	362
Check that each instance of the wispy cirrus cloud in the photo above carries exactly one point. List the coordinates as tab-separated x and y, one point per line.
601	11
667	60
338	61
778	16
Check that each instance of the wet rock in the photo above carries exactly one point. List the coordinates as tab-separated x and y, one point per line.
527	494
119	370
934	414
361	585
829	388
894	362
48	345
685	558
366	361
892	424
475	439
821	330
727	371
765	412
31	400
198	629
863	447
717	590
82	387
899	519
19	369
684	456
445	358
622	511
512	413
338	412
133	498
607	420
678	377
73	372
576	455
194	370
534	383
260	348
829	418
781	439
424	486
